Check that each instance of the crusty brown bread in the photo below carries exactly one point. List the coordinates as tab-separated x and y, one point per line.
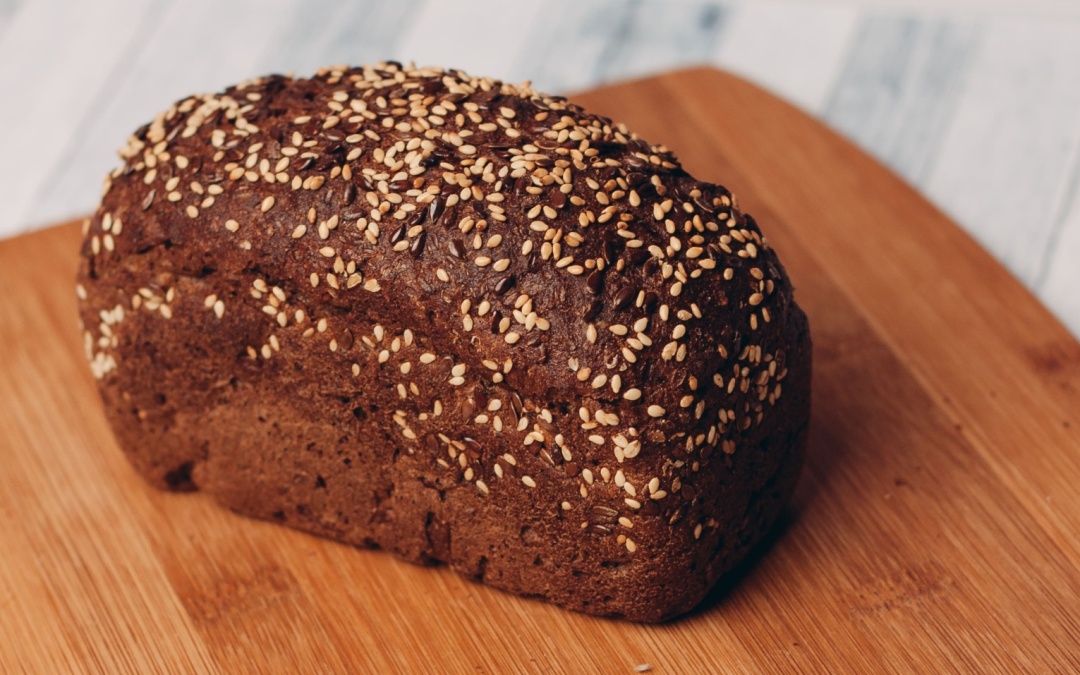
456	319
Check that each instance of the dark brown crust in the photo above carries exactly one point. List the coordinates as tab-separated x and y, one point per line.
314	420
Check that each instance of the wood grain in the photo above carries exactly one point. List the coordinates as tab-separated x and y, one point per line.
935	528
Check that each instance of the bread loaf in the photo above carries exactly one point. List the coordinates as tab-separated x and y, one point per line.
456	319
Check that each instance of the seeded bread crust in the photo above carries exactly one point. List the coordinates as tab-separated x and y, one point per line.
456	319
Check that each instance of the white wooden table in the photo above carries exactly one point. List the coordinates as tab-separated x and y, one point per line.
977	104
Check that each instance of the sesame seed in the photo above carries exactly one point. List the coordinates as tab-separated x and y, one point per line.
656	411
632	394
528	481
512	338
267	204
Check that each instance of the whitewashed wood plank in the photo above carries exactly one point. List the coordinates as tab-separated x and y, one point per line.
481	37
793	49
317	33
1059	280
656	35
899	87
1004	165
562	48
580	44
7	12
181	54
1032	9
54	58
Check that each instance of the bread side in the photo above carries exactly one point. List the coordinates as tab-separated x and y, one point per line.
452	318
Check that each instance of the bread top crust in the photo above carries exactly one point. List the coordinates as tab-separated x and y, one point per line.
516	258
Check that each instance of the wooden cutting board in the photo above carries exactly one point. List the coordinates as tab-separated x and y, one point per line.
936	527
